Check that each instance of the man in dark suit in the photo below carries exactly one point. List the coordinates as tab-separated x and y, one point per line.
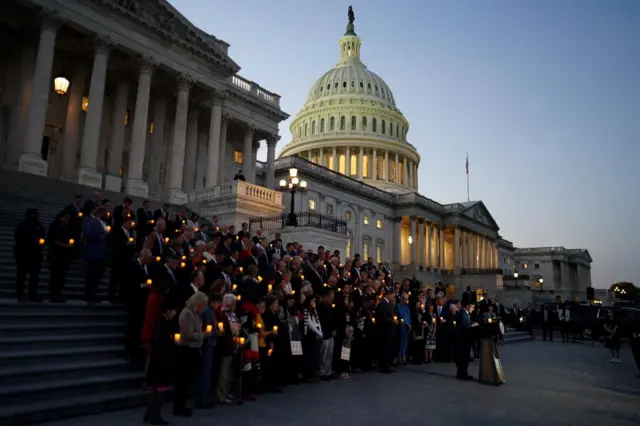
162	213
139	283
249	288
468	296
386	324
464	338
145	223
122	252
122	213
95	252
443	341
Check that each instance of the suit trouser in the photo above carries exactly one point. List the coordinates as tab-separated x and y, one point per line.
205	380
326	357
94	268
463	353
29	267
225	375
187	360
118	278
58	270
547	327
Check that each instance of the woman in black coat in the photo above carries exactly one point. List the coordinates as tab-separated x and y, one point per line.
160	366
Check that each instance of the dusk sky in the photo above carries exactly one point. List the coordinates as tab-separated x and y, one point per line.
543	95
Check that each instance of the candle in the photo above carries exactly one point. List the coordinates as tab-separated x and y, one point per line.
108	228
149	282
80	214
182	264
241	269
184	257
259	279
275	328
373	320
301	277
395	318
41	241
325	285
259	325
489	320
422	305
195	229
401	319
166	240
204	261
128	215
237	237
209	329
339	289
269	352
454	323
72	241
441	319
293	292
176	337
158	258
269	288
238	298
184	221
133	224
130	239
221	327
152	221
241	341
234	287
333	305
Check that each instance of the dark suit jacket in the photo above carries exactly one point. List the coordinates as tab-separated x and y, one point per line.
138	290
122	249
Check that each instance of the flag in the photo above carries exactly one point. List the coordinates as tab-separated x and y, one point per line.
467	164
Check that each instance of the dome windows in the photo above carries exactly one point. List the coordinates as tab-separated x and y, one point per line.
343	123
344	84
361	85
384	127
335	86
313	127
364	122
376	86
354	121
369	86
329	86
332	124
374	125
390	129
321	87
322	125
306	127
353	83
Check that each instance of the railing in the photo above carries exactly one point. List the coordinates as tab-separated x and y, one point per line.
238	188
255	90
307	219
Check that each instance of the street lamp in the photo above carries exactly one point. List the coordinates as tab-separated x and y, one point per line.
293	185
515	275
540	280
61	85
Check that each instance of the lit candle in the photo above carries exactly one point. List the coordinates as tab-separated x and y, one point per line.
489	320
401	319
259	279
395	318
441	319
275	328
293	292
158	258
195	229
182	264
80	214
166	240
302	277
269	352
108	228
339	289
72	241
269	288
238	298
422	305
184	257
220	327
454	323
259	325
209	329
130	239
237	237
333	305
149	282
234	287
41	241
176	337
204	261
373	320
133	224
325	285
152	221
241	341
241	269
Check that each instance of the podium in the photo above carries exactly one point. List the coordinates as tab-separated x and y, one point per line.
490	371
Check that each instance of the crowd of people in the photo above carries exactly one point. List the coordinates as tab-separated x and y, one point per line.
236	314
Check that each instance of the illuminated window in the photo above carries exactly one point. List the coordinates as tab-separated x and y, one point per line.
378	254
365	166
347	215
330	209
365	251
342	164
379	223
152	126
85	103
238	156
354	165
393	172
312	205
365	220
525	266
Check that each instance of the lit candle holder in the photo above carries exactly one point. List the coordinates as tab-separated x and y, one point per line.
422	306
441	319
395	318
158	258
41	241
221	327
293	292
149	282
184	257
209	328
259	325
108	228
152	221
130	239
241	341
176	337
238	298
333	305
269	288
373	320
325	285
196	229
80	214
204	261
183	265
72	241
259	279
234	287
339	289
454	323
302	277
133	224
275	328
489	320
166	240
241	269
237	237
269	352
402	320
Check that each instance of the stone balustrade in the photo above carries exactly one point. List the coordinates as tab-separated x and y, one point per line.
238	188
254	89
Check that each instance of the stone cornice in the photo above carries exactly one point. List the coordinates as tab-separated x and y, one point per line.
264	106
351	109
401	148
170	26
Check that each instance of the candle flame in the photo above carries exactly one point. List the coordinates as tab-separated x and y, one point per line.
72	241
41	241
158	259
176	337
209	329
149	281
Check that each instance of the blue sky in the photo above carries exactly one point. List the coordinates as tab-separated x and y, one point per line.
544	96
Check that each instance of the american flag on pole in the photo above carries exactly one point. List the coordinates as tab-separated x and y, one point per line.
467	164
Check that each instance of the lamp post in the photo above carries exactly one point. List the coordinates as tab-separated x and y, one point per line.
515	275
541	280
293	185
61	85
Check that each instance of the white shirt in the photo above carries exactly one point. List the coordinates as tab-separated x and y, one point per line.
195	289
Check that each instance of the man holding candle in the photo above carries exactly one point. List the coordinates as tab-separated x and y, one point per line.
138	287
95	252
122	252
464	337
386	328
29	240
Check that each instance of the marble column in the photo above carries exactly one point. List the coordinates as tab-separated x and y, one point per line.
177	195
443	259
323	160
374	166
474	251
396	177
457	255
222	169
414	247
405	171
191	156
31	159
20	114
247	151
72	123
347	161
159	150
213	151
429	238
397	229
271	159
254	156
422	232
415	181
385	170
203	156
334	159
87	170
135	184
360	162
112	180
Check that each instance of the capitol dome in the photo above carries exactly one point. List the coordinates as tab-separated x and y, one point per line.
350	124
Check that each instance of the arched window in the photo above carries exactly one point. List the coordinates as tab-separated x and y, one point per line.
361	85
322	125
313	127
397	133
384	127
306	127
344	84
332	124
374	124
343	123
354	121
390	129
364	123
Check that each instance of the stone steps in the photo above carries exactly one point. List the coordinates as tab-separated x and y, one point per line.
512	336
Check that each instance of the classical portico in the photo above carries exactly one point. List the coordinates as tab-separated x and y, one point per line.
127	95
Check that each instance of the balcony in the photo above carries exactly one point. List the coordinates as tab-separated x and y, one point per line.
254	90
235	202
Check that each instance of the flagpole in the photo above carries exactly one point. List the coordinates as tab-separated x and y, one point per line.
467	167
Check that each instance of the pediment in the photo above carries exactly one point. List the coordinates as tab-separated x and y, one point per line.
479	213
161	16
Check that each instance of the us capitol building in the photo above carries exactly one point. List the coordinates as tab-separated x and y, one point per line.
129	96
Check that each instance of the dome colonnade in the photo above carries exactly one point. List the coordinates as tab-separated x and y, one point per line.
350	124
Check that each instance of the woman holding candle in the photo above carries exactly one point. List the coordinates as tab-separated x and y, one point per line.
311	339
418	326
226	348
188	351
61	254
404	317
160	366
430	335
268	354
